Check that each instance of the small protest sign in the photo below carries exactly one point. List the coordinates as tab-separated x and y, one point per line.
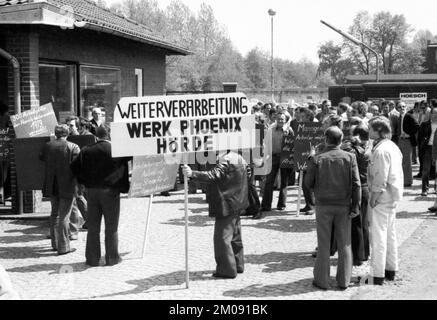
287	154
153	174
159	125
309	135
37	122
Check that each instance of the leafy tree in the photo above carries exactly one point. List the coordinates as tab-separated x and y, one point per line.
333	61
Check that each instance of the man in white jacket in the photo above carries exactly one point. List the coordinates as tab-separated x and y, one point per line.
386	186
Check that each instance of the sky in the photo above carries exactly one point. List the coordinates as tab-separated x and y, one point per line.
297	31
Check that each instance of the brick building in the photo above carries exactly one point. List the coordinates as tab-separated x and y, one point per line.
77	55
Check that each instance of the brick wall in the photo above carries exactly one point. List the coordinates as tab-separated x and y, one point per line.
23	44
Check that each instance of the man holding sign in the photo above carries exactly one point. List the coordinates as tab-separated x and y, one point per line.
228	198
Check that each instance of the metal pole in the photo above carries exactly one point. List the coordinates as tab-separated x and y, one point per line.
271	63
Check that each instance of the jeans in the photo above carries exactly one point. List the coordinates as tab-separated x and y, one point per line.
407	150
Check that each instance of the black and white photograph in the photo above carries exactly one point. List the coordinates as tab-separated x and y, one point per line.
219	156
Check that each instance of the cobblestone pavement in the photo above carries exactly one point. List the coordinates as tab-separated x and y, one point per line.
278	257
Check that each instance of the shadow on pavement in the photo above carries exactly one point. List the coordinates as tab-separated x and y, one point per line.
412	215
193	220
54	267
35	227
23	238
285	225
273	290
26	252
281	261
170	279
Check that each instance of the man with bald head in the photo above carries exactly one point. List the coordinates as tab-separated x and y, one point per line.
334	176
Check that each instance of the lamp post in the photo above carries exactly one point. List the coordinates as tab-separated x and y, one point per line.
271	14
357	42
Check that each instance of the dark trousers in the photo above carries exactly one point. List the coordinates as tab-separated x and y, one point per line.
308	194
360	230
60	223
270	181
326	218
106	203
228	246
426	167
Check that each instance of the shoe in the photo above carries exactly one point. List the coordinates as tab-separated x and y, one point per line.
259	215
342	288
165	194
240	270
216	275
418	176
407	185
266	210
305	209
280	208
432	209
424	193
374	280
318	287
309	212
67	252
89	264
390	275
109	264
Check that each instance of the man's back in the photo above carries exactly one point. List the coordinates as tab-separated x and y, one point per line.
95	168
334	176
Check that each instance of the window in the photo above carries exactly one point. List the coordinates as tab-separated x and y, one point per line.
139	82
57	85
99	87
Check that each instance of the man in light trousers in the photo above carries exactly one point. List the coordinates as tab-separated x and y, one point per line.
386	182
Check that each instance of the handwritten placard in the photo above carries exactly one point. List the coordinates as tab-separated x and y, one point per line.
287	153
153	174
309	135
37	122
5	142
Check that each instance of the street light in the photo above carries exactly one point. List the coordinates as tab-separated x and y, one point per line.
357	42
271	14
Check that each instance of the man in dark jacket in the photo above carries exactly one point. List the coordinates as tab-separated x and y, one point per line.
105	178
60	186
227	199
407	129
334	176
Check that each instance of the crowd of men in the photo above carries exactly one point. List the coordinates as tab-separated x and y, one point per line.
353	184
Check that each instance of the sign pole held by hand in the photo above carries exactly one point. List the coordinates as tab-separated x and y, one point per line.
299	192
149	213
187	273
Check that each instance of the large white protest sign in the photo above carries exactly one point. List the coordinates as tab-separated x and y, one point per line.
162	125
